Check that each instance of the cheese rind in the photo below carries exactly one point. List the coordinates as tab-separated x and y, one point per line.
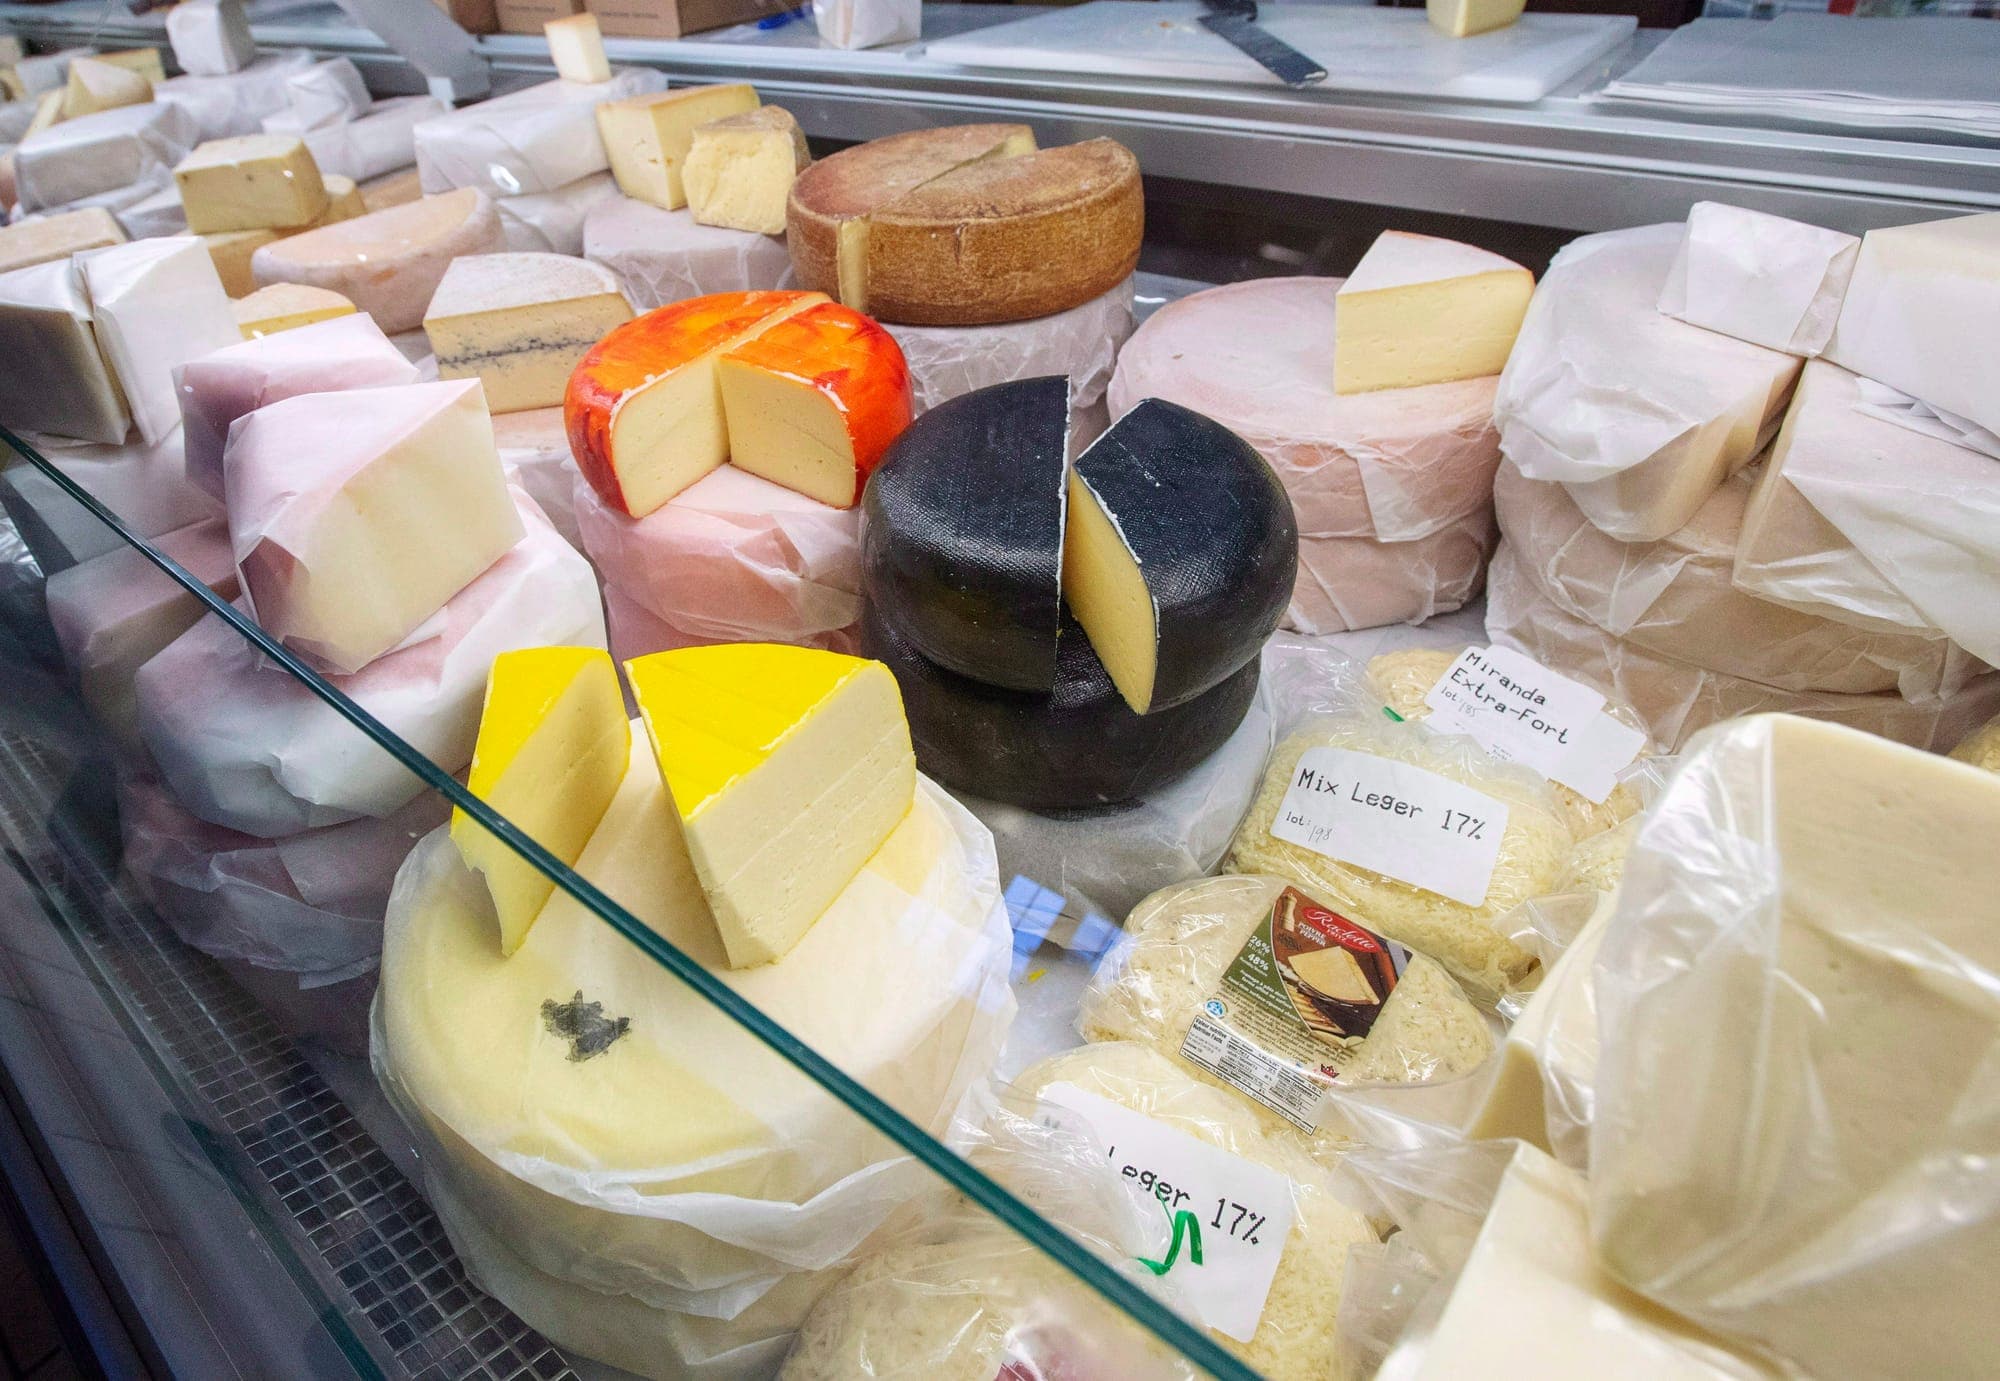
388	263
1419	310
53	373
286	307
553	747
1774	282
647	137
577	49
251	182
520	322
27	243
739	170
157	305
788	768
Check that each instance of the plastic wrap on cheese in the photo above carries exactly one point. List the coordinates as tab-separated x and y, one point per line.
237	103
1676	699
733	558
146	486
665	256
1347	583
1597	863
1981	747
378	142
534	140
127	153
1081	344
244	744
552	222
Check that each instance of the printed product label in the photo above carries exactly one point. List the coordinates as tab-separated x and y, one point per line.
1395	819
1230	1216
1520	711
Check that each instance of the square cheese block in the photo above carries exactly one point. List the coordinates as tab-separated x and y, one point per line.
286	307
231	251
53	374
357	515
95	85
520	322
1463	18
347	352
577	49
553	747
157	304
210	38
27	243
739	170
1922	314
788	767
526	142
251	182
647	138
1761	278
388	263
1419	310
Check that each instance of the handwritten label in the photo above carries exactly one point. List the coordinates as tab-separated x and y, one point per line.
1231	1216
1412	825
1520	711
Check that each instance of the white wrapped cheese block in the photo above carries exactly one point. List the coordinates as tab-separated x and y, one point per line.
143	485
1860	519
538	139
369	145
552	222
1774	282
868	23
665	256
1675	598
133	146
113	612
326	357
243	743
157	304
1642	416
1922	314
53	374
1349	583
210	38
226	106
534	451
733	558
397	503
159	214
1677	700
328	93
1081	344
44	72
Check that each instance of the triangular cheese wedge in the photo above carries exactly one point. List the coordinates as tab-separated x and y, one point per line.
1420	310
788	768
553	747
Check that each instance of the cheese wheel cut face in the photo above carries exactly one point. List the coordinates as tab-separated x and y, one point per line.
1180	553
520	322
1420	310
962	544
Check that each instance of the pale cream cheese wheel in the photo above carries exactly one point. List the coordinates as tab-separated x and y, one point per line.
1346	583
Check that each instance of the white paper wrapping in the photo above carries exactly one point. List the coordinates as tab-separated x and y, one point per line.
41	72
158	214
868	23
244	744
155	305
15	117
144	486
370	145
552	222
1762	278
1675	598
664	256
538	139
1642	416
1677	700
534	450
1081	343
1347	583
226	106
733	558
210	38
327	93
53	375
128	153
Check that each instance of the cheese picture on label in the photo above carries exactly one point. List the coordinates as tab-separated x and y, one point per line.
1420	310
388	263
251	182
788	767
553	747
520	322
648	137
1179	554
739	169
286	307
577	48
1336	974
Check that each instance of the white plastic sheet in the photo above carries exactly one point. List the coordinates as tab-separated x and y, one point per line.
552	222
1081	344
665	256
328	93
226	106
128	153
159	214
534	140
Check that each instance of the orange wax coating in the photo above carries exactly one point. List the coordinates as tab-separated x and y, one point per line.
851	360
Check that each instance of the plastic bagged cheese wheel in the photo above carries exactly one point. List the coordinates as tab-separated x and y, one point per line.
1674	597
1676	700
1464	939
665	256
1348	583
1081	344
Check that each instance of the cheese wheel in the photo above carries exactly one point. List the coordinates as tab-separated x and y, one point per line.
665	256
1674	597
1081	344
1676	700
1080	745
1347	583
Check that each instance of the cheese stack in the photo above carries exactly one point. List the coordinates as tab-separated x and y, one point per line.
642	1180
1071	632
1381	430
1652	537
243	193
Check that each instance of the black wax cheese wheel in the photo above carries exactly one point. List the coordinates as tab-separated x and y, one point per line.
1079	745
1179	553
962	532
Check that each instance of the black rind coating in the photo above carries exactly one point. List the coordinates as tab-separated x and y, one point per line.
961	539
1076	747
1214	533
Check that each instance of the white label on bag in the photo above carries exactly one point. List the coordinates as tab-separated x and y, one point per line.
1520	711
1409	824
1230	1216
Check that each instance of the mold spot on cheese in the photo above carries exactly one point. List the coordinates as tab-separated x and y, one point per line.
584	1025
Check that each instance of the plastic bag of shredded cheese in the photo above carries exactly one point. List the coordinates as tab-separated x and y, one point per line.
1981	747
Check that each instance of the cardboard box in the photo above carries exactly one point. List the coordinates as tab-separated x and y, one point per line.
675	18
473	16
528	16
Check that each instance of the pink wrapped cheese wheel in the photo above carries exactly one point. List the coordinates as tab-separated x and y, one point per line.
1358	582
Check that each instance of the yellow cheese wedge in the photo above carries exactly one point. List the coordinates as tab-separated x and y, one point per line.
739	170
287	306
145	61
788	768
343	201
1419	310
553	747
1464	18
647	137
95	86
577	48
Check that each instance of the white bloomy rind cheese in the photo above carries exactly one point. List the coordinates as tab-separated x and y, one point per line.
1419	310
553	746
788	768
158	304
577	49
647	138
1774	282
210	38
519	323
251	182
53	377
1922	314
356	516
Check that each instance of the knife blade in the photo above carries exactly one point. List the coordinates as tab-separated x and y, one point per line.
1237	24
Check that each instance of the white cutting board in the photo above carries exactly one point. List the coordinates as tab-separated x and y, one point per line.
1362	48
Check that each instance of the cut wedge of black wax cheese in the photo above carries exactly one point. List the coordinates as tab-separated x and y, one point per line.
1179	553
963	531
1077	746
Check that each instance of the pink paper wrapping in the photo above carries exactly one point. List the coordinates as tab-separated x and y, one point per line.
1349	583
